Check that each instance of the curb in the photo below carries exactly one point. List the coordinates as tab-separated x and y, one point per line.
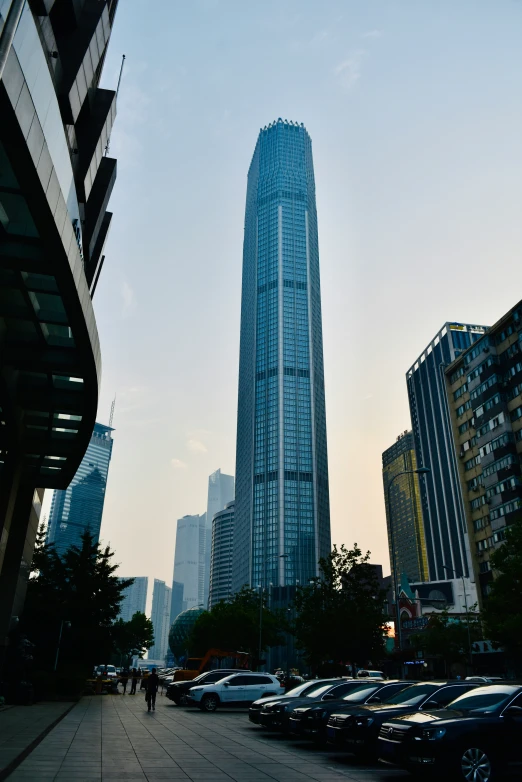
5	772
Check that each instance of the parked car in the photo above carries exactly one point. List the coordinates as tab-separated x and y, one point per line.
357	729
108	671
484	679
364	674
178	691
309	721
477	738
276	715
306	689
237	690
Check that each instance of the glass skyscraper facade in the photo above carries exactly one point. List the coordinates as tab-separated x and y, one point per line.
80	506
447	542
282	499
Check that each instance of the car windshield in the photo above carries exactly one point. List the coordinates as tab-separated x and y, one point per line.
412	695
111	669
303	689
354	695
483	700
319	690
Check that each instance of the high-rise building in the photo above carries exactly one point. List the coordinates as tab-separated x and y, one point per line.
160	618
189	558
447	542
134	597
282	498
484	388
221	555
403	510
80	507
56	183
220	492
177	605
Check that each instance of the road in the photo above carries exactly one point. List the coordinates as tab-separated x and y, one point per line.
114	738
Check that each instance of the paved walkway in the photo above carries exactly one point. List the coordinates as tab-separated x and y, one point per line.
20	726
114	738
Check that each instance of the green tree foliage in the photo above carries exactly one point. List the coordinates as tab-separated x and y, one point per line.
132	638
233	625
340	616
503	608
447	638
80	590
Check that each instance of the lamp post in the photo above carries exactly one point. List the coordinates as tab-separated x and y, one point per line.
450	570
261	583
418	471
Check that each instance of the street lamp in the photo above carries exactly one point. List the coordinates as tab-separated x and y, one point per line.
418	471
261	580
450	570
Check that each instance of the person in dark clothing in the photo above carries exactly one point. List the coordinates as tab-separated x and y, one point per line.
134	681
124	679
152	689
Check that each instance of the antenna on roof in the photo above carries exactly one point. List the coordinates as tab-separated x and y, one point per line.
112	411
117	91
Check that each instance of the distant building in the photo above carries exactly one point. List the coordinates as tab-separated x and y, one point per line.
484	389
80	506
404	514
134	597
220	493
447	541
189	559
221	555
176	604
160	617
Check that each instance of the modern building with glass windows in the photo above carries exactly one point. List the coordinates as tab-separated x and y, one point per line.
282	498
189	560
80	507
134	597
447	541
160	618
221	555
220	493
403	511
484	389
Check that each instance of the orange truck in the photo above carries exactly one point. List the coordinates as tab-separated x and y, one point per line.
197	665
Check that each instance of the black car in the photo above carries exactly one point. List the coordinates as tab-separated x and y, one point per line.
357	729
309	721
178	691
477	738
276	715
305	689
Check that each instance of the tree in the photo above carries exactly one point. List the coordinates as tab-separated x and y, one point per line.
233	625
340	616
76	595
446	636
132	638
503	608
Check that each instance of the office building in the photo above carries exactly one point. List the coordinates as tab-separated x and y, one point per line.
403	510
160	618
484	386
189	559
282	498
447	541
220	493
134	597
80	507
221	555
56	184
177	605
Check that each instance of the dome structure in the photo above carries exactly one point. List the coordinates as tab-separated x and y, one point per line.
180	630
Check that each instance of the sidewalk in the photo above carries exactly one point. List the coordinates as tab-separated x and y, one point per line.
22	726
113	738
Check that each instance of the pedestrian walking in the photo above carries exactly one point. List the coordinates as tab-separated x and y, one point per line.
134	681
152	689
124	679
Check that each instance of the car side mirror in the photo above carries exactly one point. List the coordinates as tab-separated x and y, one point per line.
375	699
432	705
226	684
513	712
329	697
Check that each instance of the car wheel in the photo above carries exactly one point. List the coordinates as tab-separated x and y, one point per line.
476	765
209	703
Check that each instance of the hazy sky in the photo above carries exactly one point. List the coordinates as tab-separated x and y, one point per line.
415	112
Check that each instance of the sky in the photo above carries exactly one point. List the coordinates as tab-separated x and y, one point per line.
415	112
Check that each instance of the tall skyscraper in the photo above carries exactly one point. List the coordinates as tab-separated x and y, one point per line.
447	541
134	597
160	618
221	555
177	605
282	499
404	512
189	559
80	506
220	492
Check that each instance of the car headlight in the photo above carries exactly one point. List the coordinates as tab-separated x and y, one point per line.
195	689
363	722
433	734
